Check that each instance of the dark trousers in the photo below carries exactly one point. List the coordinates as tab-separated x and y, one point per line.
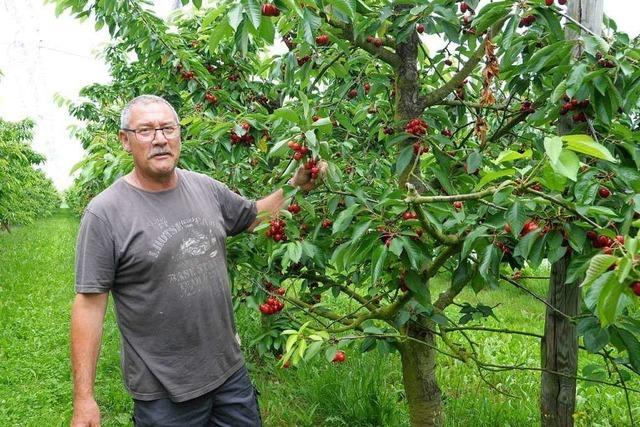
233	404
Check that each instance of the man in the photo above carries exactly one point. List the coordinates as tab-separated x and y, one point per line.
155	240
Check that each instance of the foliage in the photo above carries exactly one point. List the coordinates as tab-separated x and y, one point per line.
25	192
35	380
492	187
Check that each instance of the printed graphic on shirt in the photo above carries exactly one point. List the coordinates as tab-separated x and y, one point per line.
193	246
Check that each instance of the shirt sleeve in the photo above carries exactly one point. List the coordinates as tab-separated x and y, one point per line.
95	255
238	213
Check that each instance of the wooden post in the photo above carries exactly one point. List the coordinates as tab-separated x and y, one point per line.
559	349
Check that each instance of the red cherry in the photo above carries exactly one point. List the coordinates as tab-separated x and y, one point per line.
420	28
340	357
377	42
457	204
464	7
367	87
507	228
353	93
635	288
604	192
592	235
548	2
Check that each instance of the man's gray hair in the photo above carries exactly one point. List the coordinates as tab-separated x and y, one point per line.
125	116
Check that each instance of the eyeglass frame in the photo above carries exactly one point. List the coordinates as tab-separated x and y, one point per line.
155	131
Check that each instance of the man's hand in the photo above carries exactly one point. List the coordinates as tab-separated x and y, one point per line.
86	413
303	179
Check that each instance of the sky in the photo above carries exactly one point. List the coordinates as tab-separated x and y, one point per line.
41	56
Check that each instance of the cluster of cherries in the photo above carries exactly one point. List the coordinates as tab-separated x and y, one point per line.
211	98
419	149
322	40
528	227
446	132
271	306
603	62
233	77
269	9
604	242
527	107
416	127
527	21
571	104
303	60
276	230
407	215
300	150
503	247
294	208
374	41
312	166
550	2
246	139
326	223
187	75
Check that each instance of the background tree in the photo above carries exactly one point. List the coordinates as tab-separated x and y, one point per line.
441	163
25	192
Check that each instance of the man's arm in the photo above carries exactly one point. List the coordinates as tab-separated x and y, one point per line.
87	317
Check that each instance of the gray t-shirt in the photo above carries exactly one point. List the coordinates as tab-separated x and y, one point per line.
162	256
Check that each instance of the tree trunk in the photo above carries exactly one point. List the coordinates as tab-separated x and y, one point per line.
5	225
419	378
559	349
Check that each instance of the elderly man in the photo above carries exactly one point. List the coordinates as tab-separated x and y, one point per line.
155	240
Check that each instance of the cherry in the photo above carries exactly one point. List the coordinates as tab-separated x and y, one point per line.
353	93
635	288
448	62
604	192
620	239
211	98
326	223
464	7
294	208
270	10
528	227
420	28
377	42
457	204
507	228
340	357
548	2
367	87
322	40
592	235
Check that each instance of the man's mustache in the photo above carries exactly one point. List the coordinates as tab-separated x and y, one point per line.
159	153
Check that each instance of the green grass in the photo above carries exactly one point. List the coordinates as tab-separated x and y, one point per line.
36	291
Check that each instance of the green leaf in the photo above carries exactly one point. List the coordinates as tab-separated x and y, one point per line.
633	347
516	217
492	176
359	230
418	289
510	156
413	252
344	219
406	154
489	268
252	7
396	247
598	265
608	300
235	16
586	145
220	31
347	7
595	339
553	148
470	239
310	23
567	165
377	261
526	243
491	14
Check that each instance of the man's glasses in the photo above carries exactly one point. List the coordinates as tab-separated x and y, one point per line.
145	134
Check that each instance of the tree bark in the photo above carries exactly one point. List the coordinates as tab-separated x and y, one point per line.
559	347
419	377
559	351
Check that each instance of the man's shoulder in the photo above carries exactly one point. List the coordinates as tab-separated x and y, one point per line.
108	199
191	177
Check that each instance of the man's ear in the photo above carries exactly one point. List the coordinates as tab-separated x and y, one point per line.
124	139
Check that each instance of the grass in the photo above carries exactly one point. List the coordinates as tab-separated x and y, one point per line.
36	291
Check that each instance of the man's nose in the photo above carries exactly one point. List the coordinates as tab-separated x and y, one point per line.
159	139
